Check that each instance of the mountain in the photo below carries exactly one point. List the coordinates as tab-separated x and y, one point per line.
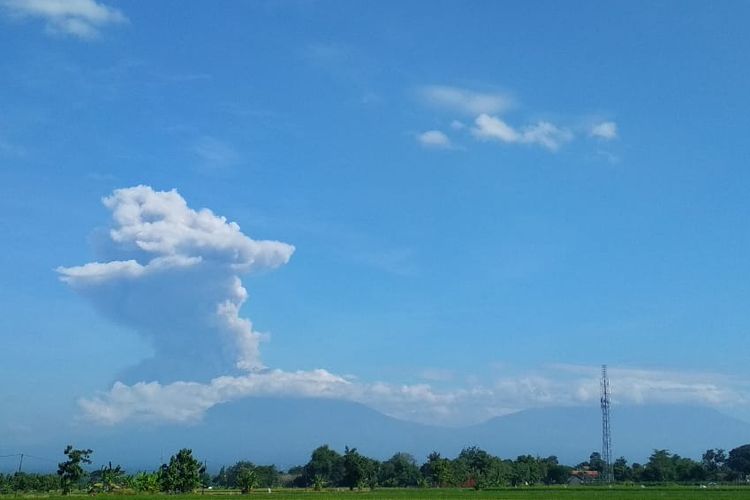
264	430
573	433
285	431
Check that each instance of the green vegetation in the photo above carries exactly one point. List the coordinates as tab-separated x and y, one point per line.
535	493
474	472
71	471
182	474
106	479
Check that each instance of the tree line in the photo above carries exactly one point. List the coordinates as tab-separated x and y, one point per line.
327	468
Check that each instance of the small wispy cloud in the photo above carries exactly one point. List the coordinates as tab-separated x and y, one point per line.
604	130
542	133
434	139
80	18
645	385
458	125
491	127
546	134
607	156
215	153
465	101
487	112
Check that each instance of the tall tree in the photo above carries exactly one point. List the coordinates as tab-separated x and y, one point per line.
234	472
621	470
688	470
182	474
247	479
596	462
437	470
475	463
527	470
221	479
554	472
326	467
70	471
660	467
739	461
268	476
400	470
714	462
354	468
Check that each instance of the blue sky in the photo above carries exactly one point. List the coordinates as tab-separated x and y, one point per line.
485	203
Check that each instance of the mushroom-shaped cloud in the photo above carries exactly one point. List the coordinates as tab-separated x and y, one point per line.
176	280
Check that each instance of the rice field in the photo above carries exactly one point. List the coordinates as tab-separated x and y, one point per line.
539	493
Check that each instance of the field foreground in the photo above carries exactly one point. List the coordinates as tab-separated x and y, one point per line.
583	493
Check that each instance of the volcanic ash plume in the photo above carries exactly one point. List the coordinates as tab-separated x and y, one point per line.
174	276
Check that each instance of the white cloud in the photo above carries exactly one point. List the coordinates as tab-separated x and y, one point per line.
546	135
604	130
95	273
80	18
639	386
543	133
490	127
465	101
179	285
160	223
488	110
554	386
434	139
187	401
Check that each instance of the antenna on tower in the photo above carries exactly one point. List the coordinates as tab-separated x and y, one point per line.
606	433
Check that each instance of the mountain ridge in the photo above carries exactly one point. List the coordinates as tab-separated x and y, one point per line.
284	431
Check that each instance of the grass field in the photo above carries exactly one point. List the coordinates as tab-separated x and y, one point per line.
583	493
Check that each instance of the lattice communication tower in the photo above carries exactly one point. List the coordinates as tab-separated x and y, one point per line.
607	475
